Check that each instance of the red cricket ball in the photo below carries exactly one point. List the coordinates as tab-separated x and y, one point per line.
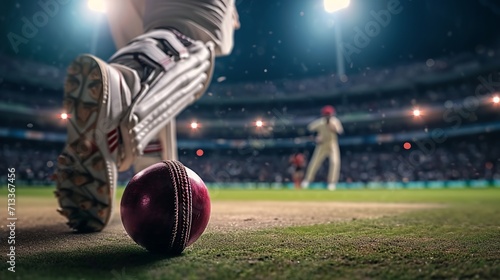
165	207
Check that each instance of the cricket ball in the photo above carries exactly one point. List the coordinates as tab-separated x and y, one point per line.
165	207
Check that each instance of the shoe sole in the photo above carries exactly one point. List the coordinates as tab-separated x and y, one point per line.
86	173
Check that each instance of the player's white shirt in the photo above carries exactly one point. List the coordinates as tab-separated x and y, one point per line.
327	131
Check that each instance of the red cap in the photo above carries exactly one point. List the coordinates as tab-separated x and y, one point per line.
328	111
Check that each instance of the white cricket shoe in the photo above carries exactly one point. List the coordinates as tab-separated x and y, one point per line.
332	187
115	109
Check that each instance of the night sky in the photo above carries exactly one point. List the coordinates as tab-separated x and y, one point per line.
284	39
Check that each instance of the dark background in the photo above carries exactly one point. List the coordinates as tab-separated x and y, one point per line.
281	39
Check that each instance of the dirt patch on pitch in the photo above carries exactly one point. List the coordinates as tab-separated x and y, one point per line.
258	215
40	228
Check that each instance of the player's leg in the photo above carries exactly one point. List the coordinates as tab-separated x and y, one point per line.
317	159
115	113
217	18
125	18
334	168
295	178
113	117
88	207
117	108
162	148
298	177
87	168
168	139
161	13
153	14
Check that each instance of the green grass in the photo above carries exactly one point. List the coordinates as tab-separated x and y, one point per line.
456	242
383	195
376	195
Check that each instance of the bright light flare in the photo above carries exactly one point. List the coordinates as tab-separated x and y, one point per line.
332	6
195	125
64	116
417	113
97	6
200	152
496	99
407	145
259	123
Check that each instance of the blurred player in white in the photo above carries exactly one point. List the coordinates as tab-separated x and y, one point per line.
327	128
124	109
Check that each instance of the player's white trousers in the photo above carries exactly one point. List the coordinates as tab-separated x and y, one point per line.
125	18
321	152
203	20
131	18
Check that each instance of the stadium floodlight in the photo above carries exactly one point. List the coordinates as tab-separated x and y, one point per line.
64	116
417	113
194	125
331	6
97	6
259	123
496	99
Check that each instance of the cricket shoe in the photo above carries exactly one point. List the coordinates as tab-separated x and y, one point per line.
115	109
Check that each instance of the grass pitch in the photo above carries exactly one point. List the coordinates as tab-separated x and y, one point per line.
461	240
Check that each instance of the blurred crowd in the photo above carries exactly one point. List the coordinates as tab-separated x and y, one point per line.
33	161
404	75
370	90
371	102
474	157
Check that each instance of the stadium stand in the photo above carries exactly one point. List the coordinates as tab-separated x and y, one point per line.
375	106
461	158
